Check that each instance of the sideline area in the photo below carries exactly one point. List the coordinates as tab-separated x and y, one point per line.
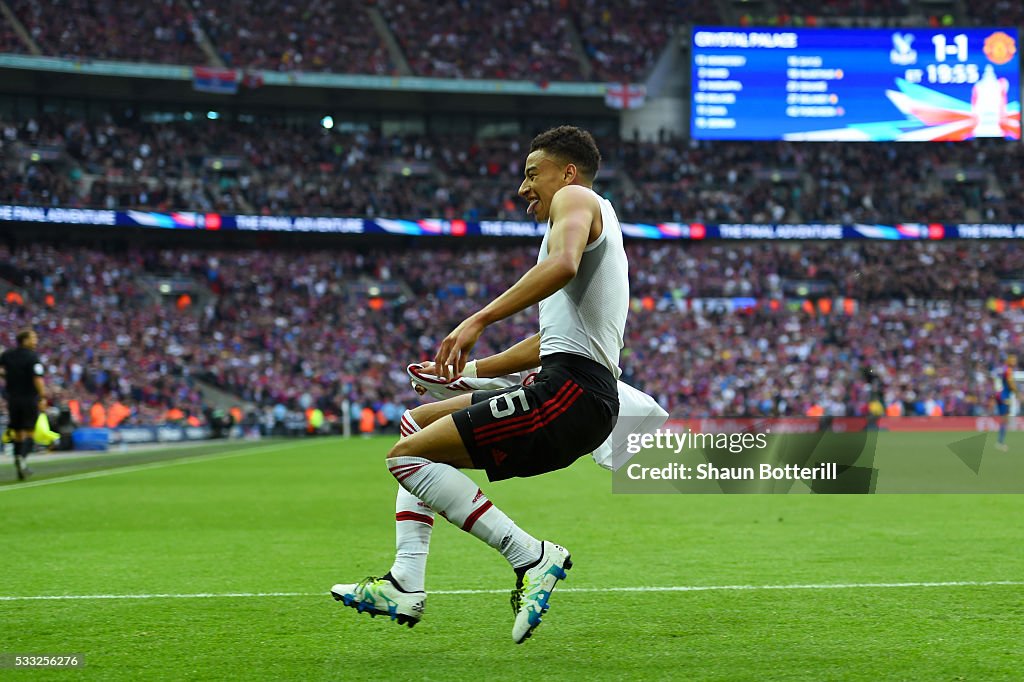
50	468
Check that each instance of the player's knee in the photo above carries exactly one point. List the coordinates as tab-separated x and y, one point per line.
414	420
402	448
424	415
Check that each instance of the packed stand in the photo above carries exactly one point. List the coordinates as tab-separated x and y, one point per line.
846	8
267	167
868	13
280	35
503	40
299	329
783	363
534	40
103	337
10	41
280	169
919	328
862	270
821	182
104	165
996	12
624	39
876	13
322	335
160	31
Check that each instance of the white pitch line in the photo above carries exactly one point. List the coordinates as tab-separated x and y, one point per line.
145	467
648	588
198	595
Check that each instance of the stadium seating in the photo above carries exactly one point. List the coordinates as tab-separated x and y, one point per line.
159	31
996	13
303	333
623	39
539	40
299	328
275	168
281	35
9	40
867	13
103	336
505	40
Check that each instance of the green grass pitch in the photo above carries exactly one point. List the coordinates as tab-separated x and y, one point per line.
293	518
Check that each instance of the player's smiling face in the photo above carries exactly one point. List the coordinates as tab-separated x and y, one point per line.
544	175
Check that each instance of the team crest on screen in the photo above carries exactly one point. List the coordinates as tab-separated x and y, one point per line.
1000	48
902	53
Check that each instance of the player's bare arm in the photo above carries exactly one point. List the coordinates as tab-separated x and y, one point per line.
575	222
522	356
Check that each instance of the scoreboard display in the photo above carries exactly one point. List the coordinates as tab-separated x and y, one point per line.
855	84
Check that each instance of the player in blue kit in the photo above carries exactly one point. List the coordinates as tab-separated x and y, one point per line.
1007	389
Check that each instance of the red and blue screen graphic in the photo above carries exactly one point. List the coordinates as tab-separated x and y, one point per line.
857	85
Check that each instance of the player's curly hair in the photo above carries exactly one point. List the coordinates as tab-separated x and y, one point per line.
572	145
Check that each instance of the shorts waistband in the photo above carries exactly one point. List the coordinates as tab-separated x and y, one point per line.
576	362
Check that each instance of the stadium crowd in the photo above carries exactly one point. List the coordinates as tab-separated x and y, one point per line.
281	35
623	39
294	330
715	329
868	13
271	168
539	40
996	13
822	182
9	39
505	40
160	31
105	337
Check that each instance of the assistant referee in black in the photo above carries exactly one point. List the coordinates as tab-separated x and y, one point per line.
26	395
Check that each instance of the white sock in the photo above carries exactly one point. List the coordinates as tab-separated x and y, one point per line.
414	522
458	499
408	425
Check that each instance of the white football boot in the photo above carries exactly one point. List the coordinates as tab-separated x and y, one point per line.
530	598
380	596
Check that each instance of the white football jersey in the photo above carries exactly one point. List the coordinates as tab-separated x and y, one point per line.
588	315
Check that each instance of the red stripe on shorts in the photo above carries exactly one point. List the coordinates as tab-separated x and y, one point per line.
529	416
538	418
541	421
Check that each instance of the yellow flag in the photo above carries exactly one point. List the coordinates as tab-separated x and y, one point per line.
43	434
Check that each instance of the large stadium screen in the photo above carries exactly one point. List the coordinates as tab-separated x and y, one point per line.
855	84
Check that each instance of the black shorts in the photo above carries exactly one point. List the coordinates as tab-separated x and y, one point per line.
568	410
23	413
